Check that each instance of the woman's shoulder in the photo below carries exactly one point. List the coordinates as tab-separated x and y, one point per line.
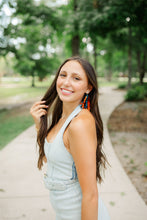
84	120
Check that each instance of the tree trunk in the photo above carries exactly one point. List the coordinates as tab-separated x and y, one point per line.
130	59
95	58
95	3
143	68
138	62
33	79
75	43
109	76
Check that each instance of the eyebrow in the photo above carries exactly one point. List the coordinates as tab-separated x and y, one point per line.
63	71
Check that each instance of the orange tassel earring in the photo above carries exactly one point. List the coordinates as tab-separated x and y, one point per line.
86	102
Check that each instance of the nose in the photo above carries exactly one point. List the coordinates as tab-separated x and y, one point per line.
67	81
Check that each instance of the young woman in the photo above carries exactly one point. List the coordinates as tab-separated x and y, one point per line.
71	143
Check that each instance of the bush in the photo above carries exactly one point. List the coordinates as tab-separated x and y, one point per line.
122	86
145	87
135	94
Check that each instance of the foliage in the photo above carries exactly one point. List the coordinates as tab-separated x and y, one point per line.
45	35
122	86
144	86
122	23
36	28
136	94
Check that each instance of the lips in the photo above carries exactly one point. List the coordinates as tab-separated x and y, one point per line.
66	91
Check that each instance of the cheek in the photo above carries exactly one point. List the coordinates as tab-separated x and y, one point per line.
58	83
81	87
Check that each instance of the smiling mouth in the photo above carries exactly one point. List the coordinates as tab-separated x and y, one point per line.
66	91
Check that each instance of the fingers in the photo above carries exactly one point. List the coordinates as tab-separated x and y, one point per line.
38	110
37	106
41	112
39	103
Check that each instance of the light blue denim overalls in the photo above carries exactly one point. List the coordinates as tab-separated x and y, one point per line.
62	180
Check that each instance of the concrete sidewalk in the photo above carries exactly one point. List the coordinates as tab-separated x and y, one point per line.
22	191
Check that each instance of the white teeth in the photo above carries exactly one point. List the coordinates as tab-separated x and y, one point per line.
65	91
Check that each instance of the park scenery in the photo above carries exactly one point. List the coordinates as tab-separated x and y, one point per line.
36	36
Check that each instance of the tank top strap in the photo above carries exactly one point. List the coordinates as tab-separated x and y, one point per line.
70	117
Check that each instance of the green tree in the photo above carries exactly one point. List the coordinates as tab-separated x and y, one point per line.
130	21
94	22
119	20
36	27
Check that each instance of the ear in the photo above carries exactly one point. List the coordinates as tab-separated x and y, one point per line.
90	87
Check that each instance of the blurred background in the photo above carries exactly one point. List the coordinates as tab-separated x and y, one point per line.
36	36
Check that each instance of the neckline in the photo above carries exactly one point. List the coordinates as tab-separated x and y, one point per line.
62	126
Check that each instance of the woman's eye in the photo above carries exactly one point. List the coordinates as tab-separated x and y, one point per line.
62	75
76	78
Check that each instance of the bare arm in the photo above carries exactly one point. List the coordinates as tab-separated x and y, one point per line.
83	143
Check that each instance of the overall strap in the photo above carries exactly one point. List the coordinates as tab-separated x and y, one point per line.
70	117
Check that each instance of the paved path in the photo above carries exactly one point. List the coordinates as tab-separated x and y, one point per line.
22	192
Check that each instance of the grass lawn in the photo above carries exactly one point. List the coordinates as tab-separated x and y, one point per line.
13	122
22	92
23	88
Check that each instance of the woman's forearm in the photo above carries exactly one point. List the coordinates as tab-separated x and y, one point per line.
89	209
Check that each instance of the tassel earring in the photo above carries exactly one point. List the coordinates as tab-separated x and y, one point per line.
86	102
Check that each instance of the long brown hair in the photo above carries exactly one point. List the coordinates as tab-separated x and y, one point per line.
52	100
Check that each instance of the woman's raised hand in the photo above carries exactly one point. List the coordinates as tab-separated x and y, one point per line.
37	110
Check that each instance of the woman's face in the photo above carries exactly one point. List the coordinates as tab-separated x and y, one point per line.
72	82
